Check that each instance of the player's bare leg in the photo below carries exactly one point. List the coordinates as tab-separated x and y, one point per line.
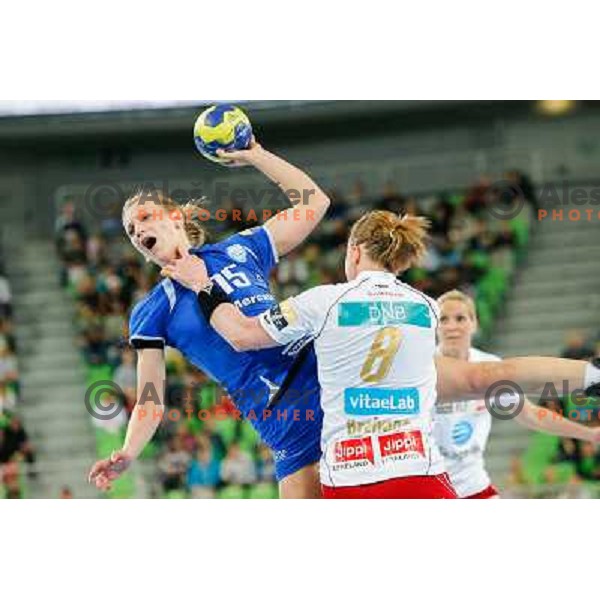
464	380
303	484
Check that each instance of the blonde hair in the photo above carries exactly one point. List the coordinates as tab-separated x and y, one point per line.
194	231
397	242
458	296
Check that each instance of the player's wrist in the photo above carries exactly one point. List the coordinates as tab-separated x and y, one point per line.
259	157
126	454
210	297
198	286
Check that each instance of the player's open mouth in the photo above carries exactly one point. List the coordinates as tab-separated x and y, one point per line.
149	242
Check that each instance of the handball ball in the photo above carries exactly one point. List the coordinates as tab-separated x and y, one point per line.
222	127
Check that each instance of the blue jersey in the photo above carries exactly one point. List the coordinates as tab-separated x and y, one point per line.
169	315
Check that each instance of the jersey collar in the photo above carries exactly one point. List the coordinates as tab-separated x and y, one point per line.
379	274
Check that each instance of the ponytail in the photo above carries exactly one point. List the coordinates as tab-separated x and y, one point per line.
396	242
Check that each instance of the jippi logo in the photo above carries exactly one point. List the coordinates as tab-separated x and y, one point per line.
354	450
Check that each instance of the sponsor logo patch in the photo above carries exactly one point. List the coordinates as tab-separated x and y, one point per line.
373	401
381	314
462	432
276	318
399	446
375	426
238	253
354	452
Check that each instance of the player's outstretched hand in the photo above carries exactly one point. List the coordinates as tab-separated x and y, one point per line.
190	271
104	472
241	158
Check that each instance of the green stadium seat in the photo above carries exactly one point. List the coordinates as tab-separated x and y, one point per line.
264	491
107	442
177	495
456	199
99	373
540	455
227	429
232	492
123	488
249	439
485	316
520	229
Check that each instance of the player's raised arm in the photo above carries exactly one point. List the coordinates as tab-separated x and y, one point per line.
459	379
310	203
144	421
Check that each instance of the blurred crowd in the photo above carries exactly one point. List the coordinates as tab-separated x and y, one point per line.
582	457
555	467
15	448
466	237
106	277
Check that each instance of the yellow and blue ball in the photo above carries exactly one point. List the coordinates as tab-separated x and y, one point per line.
222	127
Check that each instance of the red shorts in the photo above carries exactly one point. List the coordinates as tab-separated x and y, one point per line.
489	492
430	486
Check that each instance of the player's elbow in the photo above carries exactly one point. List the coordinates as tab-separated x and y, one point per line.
482	377
323	203
241	341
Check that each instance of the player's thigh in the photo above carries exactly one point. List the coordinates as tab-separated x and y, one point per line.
303	484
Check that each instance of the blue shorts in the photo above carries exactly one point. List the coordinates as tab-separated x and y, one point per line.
294	430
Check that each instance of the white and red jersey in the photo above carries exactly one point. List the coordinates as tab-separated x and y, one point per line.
461	431
375	343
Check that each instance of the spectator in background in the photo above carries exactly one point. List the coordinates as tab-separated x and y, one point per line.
9	372
587	464
217	444
265	466
125	374
577	347
95	250
14	448
524	187
5	297
477	197
95	346
173	466
9	476
237	467
66	493
568	450
5	454
6	333
203	474
66	222
8	399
